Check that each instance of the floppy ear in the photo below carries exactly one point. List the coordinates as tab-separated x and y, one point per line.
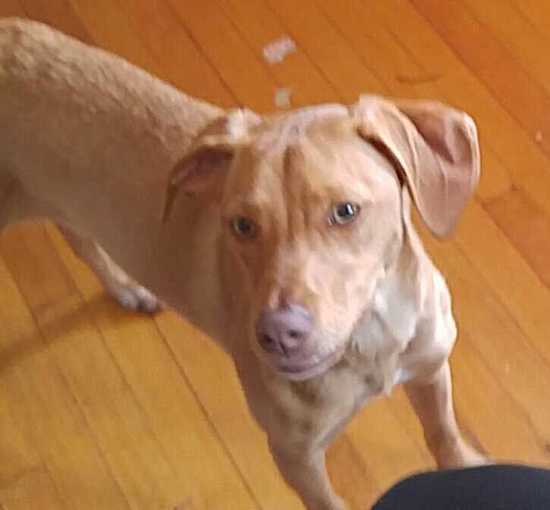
202	168
434	147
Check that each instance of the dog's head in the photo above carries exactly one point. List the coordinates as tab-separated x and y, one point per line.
312	212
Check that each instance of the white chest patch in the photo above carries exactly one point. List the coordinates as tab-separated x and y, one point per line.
383	334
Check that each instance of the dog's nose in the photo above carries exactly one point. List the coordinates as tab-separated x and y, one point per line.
284	331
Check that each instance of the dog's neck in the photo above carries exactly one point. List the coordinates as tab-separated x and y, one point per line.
389	324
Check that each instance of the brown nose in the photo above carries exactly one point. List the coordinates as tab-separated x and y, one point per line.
284	331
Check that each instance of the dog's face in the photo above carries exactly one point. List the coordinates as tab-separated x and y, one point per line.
311	215
312	218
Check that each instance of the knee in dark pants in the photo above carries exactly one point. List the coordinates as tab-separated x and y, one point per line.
499	487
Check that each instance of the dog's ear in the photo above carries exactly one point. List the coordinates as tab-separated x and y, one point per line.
202	168
434	147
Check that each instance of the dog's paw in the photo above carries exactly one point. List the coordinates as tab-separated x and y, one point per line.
136	298
460	454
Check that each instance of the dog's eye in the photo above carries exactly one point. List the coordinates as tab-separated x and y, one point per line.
244	227
344	213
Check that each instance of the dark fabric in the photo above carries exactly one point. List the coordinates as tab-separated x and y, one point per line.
500	487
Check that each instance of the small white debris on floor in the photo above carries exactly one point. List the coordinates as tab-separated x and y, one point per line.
538	136
282	98
277	50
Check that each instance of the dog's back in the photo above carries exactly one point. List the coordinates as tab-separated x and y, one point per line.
51	87
72	113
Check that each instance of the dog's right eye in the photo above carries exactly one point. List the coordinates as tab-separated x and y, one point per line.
244	227
344	213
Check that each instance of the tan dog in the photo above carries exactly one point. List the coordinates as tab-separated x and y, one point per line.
287	238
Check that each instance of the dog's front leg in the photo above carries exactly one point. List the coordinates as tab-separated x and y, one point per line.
126	291
432	400
305	471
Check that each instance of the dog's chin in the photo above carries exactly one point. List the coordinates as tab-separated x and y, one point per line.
304	371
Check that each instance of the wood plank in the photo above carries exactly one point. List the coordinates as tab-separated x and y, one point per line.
137	460
246	74
536	12
378	48
36	395
350	475
484	405
516	33
110	29
17	455
59	14
385	446
180	59
11	8
495	179
527	227
508	275
206	474
33	490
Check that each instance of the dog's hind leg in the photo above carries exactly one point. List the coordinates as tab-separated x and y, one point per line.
118	284
17	205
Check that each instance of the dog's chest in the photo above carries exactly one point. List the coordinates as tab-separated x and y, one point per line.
382	335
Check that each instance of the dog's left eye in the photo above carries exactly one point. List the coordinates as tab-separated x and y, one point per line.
244	227
344	213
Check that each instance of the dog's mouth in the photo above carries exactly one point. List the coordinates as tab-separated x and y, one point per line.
301	371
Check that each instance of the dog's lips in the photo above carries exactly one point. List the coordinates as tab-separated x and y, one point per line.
303	371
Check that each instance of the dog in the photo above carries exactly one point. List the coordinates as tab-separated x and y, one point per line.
287	237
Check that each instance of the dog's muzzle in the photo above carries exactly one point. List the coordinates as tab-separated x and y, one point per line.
285	335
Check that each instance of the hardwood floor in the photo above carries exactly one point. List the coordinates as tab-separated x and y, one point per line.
102	409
